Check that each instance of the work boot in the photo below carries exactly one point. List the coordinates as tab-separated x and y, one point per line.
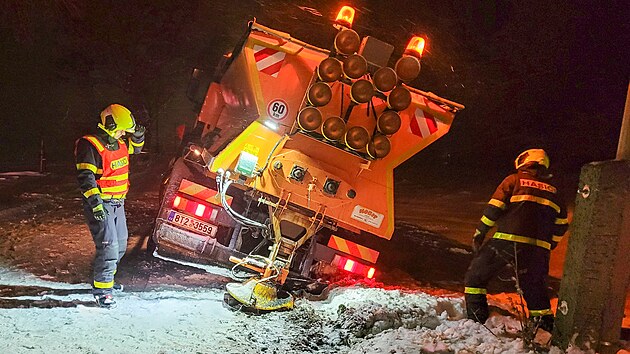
546	323
477	307
105	300
118	288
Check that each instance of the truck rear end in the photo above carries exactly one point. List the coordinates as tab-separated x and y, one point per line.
289	168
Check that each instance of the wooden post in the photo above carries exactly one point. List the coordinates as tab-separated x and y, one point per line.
42	157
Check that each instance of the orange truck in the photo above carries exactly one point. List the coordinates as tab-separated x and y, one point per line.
290	164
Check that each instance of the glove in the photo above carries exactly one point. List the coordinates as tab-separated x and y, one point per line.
140	129
477	241
99	212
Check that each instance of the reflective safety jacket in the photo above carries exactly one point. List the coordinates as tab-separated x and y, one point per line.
103	167
526	209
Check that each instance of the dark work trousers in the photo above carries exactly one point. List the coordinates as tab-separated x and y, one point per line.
532	264
110	239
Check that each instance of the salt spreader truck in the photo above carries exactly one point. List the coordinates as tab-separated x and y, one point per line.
289	167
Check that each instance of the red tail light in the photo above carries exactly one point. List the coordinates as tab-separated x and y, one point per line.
370	273
349	265
191	207
353	266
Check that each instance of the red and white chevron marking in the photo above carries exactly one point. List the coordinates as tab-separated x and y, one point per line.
268	61
423	123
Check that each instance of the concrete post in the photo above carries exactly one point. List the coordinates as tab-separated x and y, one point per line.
596	271
623	148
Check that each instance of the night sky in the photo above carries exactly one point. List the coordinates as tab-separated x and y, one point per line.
551	74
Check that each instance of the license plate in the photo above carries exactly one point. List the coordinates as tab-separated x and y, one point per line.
192	223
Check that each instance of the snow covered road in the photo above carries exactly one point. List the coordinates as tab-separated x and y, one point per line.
351	320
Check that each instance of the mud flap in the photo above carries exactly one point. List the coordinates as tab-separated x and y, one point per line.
260	295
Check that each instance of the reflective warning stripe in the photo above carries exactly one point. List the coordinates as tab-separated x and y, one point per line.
556	238
204	193
101	285
539	200
561	221
522	239
131	142
91	192
114	189
353	249
113	196
133	146
115	177
475	291
487	221
97	144
423	123
268	60
90	167
497	203
536	313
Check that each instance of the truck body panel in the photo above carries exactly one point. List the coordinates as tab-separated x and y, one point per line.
254	168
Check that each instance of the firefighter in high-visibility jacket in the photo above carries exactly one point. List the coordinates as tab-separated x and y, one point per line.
102	162
530	220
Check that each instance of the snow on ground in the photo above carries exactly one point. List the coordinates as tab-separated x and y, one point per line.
195	320
46	306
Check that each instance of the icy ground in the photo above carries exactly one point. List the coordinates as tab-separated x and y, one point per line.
352	320
417	307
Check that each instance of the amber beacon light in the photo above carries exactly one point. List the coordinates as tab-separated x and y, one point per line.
408	66
345	16
415	47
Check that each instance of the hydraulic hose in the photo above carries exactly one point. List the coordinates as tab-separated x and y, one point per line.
223	182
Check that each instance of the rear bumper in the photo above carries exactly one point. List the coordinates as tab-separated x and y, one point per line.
188	245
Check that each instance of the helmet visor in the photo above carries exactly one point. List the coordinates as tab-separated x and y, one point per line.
132	129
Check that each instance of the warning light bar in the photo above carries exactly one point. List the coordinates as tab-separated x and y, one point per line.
415	47
353	266
192	207
345	16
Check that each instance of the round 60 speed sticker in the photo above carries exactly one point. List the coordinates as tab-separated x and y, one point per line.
277	109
